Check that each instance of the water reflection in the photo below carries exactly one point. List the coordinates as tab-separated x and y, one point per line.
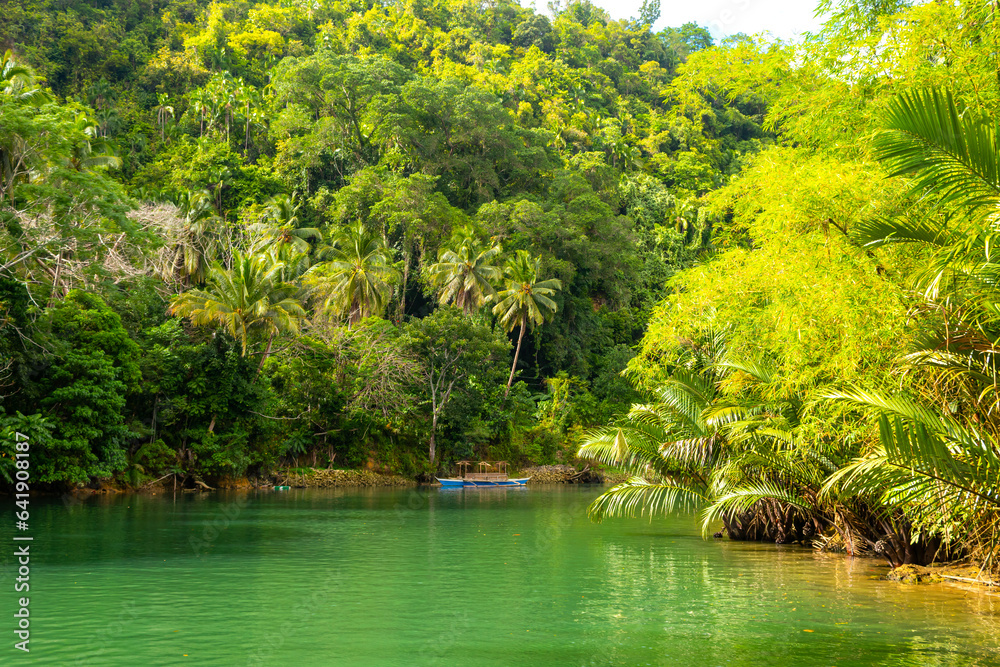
470	577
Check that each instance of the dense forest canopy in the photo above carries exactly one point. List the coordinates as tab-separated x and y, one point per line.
398	234
280	196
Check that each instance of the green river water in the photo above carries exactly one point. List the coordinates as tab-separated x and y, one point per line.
465	577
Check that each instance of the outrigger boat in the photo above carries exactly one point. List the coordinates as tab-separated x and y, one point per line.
487	473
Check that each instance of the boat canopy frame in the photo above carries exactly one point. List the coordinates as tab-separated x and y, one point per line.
486	471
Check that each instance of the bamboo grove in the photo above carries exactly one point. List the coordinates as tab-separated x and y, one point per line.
828	375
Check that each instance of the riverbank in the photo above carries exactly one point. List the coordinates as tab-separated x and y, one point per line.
566	474
325	478
963	575
549	474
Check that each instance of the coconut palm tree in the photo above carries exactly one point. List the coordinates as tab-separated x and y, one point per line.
198	101
17	154
280	226
280	239
17	82
248	301
196	242
163	110
526	301
357	280
465	275
250	99
91	151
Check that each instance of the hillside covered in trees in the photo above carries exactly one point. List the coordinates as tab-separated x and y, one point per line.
756	275
244	235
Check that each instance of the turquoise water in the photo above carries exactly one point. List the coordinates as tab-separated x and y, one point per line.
477	577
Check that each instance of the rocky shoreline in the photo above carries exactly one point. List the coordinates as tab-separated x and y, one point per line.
967	574
324	478
566	474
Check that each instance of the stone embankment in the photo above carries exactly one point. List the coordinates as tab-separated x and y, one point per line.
328	478
564	474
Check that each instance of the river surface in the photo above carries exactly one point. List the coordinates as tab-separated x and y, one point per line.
465	577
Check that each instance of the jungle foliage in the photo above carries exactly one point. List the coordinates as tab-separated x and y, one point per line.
245	235
238	236
828	375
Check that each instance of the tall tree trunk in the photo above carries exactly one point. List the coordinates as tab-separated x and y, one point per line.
513	367
434	425
246	139
267	351
55	278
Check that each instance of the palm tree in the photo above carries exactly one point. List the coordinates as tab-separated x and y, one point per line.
17	82
280	226
666	447
944	474
247	301
526	301
465	276
768	486
91	151
281	240
163	110
17	153
356	282
743	459
194	245
672	446
199	107
250	99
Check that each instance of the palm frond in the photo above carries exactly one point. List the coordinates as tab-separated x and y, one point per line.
745	498
949	430
639	497
882	231
950	154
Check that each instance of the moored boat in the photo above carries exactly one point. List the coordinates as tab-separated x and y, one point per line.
487	474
